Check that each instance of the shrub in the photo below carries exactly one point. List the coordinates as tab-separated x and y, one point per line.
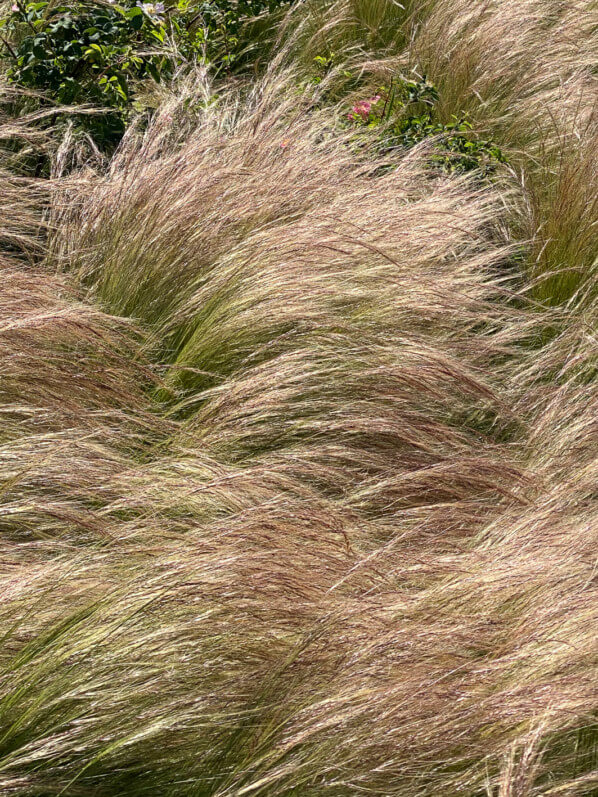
404	115
92	53
218	30
87	53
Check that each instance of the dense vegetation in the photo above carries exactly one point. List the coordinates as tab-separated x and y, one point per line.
99	53
299	439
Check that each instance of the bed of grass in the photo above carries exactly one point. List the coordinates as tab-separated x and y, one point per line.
299	400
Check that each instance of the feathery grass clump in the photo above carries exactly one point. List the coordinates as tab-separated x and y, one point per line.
299	458
522	73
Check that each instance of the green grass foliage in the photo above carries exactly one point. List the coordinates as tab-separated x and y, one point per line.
298	387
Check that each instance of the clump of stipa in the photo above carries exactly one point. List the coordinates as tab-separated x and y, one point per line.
297	478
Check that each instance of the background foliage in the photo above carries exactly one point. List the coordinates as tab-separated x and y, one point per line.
92	53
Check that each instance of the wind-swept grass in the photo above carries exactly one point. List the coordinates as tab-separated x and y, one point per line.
523	73
298	463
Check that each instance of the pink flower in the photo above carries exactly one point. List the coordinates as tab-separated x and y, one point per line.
362	109
14	7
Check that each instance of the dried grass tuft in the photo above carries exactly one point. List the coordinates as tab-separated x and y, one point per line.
297	475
